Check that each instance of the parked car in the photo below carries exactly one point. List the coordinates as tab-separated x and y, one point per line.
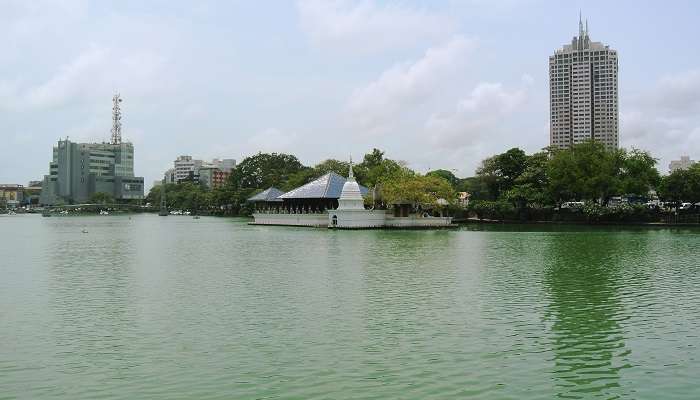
572	205
616	201
653	205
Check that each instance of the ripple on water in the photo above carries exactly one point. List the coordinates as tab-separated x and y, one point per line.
175	308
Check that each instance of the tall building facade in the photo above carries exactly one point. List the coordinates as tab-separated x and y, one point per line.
79	170
583	94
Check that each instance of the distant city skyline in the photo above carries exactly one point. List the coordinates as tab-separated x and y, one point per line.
439	84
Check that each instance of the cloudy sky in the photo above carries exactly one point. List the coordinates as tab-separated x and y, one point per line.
439	84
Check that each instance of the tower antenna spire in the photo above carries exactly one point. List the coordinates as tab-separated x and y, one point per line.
116	120
580	24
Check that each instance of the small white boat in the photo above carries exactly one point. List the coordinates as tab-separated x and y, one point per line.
103	212
85	230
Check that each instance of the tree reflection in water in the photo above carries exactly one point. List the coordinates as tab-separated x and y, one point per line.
583	280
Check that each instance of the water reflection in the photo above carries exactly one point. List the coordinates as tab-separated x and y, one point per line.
583	279
403	326
90	293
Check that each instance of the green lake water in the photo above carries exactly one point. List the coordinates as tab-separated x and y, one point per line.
177	308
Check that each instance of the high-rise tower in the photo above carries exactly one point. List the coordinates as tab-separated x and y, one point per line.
583	92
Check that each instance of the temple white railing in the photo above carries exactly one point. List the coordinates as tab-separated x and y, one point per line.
315	219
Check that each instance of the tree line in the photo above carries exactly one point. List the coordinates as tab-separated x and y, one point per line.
512	184
517	185
389	181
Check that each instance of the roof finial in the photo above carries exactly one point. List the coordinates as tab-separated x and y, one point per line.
586	26
350	175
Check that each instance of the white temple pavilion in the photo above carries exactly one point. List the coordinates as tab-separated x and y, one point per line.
319	204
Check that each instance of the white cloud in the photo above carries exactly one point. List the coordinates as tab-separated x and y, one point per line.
366	26
194	111
468	133
271	140
69	81
665	120
377	105
34	19
476	115
677	94
97	71
62	61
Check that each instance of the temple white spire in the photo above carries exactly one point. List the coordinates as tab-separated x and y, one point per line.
351	197
351	177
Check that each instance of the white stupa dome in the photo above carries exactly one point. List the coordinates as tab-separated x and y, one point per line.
351	197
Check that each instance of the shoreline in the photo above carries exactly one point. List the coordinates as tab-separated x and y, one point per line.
456	223
472	221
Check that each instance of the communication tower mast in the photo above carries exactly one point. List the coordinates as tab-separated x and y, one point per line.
116	120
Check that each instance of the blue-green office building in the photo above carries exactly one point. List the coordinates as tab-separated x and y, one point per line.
79	170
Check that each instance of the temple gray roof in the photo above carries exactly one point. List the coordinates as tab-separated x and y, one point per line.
270	194
329	186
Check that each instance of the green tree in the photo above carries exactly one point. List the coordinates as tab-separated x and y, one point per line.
373	158
264	170
446	175
587	171
101	198
681	186
638	174
418	190
476	186
531	187
498	173
221	198
331	165
372	175
182	196
695	183
257	172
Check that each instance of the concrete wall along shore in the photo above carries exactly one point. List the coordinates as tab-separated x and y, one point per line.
351	219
